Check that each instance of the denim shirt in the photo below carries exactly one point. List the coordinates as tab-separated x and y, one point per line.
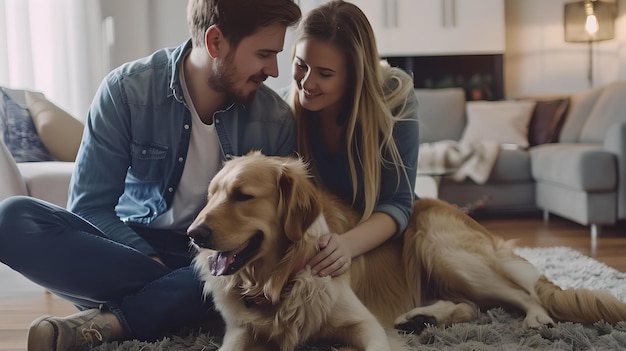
136	139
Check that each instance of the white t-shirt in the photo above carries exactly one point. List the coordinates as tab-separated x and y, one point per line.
203	162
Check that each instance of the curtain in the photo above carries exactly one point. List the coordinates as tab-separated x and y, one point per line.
55	47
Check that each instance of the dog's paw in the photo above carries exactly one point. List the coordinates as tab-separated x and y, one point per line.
536	320
416	324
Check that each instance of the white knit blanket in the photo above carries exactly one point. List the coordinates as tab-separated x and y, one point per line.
474	160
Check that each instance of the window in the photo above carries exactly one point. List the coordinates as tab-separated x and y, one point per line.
55	47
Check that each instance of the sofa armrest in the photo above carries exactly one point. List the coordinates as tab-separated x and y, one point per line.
11	182
48	181
615	142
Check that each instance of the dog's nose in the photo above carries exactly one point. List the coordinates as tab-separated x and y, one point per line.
201	235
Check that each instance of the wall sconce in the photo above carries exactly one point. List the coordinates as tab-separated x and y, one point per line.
589	21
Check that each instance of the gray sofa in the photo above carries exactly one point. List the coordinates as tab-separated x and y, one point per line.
582	177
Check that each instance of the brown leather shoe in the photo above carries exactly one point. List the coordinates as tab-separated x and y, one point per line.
80	331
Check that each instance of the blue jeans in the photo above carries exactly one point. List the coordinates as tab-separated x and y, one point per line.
74	260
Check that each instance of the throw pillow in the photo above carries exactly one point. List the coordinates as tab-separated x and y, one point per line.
580	108
607	113
59	131
18	132
505	122
547	121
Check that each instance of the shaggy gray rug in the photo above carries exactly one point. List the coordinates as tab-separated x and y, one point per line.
495	329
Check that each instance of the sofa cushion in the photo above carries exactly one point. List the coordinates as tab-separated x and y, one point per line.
610	108
59	131
584	167
581	105
511	166
441	114
547	121
17	130
505	122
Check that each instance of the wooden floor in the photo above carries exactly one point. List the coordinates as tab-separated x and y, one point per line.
22	301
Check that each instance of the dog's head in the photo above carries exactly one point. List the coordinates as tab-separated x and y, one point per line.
256	219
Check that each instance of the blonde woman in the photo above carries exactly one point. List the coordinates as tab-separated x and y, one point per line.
357	125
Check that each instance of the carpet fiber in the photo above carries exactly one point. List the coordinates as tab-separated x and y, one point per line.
495	329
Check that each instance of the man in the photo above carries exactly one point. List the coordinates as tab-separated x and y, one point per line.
156	133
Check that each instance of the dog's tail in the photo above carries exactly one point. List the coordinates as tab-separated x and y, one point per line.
579	305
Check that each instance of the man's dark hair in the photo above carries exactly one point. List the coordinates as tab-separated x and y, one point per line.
238	19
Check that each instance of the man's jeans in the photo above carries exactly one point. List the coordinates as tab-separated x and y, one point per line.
74	260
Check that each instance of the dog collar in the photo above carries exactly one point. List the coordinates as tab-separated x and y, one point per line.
256	301
260	300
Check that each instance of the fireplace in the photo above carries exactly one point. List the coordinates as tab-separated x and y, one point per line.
480	75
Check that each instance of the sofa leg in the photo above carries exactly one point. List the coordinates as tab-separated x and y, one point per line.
595	232
546	216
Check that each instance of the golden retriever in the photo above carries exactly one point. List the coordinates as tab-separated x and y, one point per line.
262	223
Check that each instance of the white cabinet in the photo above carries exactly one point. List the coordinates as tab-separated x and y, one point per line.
436	27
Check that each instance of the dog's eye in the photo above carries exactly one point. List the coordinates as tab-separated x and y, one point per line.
238	195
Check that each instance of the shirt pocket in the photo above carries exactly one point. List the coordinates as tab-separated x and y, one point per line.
148	160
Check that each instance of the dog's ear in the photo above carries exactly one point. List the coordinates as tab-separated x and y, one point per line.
299	198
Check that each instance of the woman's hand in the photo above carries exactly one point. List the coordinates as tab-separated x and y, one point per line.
333	258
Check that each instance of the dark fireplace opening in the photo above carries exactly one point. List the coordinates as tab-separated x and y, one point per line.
482	76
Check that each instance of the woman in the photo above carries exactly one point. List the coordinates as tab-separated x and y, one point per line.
357	125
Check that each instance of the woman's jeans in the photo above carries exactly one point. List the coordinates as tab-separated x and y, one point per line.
73	259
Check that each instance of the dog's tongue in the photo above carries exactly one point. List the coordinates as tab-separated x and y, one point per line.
220	262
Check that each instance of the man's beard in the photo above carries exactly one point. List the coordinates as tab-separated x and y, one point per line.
224	78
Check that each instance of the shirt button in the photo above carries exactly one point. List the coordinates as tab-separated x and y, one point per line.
144	151
217	120
180	159
186	126
170	189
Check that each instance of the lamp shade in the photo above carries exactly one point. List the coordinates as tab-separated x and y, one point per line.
589	20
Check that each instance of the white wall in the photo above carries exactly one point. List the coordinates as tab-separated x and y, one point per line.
170	32
143	26
538	60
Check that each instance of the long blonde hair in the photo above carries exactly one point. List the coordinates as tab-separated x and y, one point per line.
378	99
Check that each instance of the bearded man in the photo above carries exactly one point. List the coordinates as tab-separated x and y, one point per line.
158	130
